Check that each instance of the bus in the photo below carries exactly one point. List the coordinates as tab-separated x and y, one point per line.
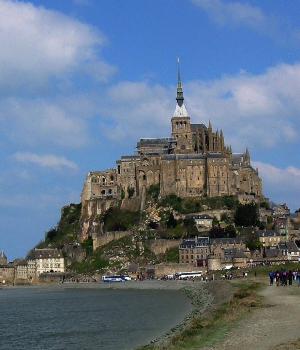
116	278
188	275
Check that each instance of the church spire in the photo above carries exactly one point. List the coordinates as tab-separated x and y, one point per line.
179	97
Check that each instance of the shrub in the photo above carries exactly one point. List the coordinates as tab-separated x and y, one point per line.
116	219
172	255
130	191
246	215
153	191
172	201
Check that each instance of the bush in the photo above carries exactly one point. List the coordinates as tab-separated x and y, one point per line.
130	192
219	232
246	215
116	219
172	255
153	191
252	241
88	246
190	227
193	205
172	201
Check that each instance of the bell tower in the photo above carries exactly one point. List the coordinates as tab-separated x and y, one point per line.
181	123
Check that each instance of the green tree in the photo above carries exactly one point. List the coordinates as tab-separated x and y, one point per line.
246	215
252	241
153	191
116	219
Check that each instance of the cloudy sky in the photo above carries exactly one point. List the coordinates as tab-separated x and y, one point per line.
81	80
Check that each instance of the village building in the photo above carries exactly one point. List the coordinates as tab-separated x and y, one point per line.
45	260
227	243
281	210
290	250
7	273
203	221
21	270
194	251
269	238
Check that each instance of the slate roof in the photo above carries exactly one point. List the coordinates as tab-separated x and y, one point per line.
273	252
220	241
234	253
195	242
198	126
45	253
267	233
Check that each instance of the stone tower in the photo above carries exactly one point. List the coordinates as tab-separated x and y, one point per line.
181	123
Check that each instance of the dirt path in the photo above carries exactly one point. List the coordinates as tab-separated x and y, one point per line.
273	327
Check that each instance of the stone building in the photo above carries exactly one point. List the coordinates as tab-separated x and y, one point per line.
194	251
7	273
194	161
44	260
21	270
269	238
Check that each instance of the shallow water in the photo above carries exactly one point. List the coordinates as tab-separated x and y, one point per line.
56	318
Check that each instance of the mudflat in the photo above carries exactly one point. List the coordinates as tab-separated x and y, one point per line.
275	326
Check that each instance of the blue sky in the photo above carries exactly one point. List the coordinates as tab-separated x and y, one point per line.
81	80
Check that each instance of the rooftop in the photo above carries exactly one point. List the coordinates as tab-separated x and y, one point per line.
45	253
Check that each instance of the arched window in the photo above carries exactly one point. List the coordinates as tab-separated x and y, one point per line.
103	192
110	191
111	178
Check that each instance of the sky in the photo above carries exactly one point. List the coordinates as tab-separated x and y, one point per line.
82	80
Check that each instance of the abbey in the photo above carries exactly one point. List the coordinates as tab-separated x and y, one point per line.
193	162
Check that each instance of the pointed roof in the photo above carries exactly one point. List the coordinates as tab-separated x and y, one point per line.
180	110
179	97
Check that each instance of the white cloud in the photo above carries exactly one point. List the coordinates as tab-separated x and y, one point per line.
60	121
136	109
233	12
38	44
255	110
46	160
281	184
243	14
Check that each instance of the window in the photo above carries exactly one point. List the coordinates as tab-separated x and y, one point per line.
103	192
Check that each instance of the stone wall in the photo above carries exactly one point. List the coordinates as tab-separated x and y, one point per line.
171	268
107	237
160	246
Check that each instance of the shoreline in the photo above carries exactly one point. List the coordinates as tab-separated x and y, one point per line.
204	299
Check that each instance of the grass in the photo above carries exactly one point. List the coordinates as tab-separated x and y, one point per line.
207	330
264	270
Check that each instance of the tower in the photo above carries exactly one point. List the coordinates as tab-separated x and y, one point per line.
181	124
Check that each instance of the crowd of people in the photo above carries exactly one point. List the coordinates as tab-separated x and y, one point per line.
284	278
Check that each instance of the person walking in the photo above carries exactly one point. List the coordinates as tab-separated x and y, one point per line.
298	278
277	278
290	277
271	276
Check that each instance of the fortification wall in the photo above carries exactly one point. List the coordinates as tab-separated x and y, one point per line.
160	246
101	240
